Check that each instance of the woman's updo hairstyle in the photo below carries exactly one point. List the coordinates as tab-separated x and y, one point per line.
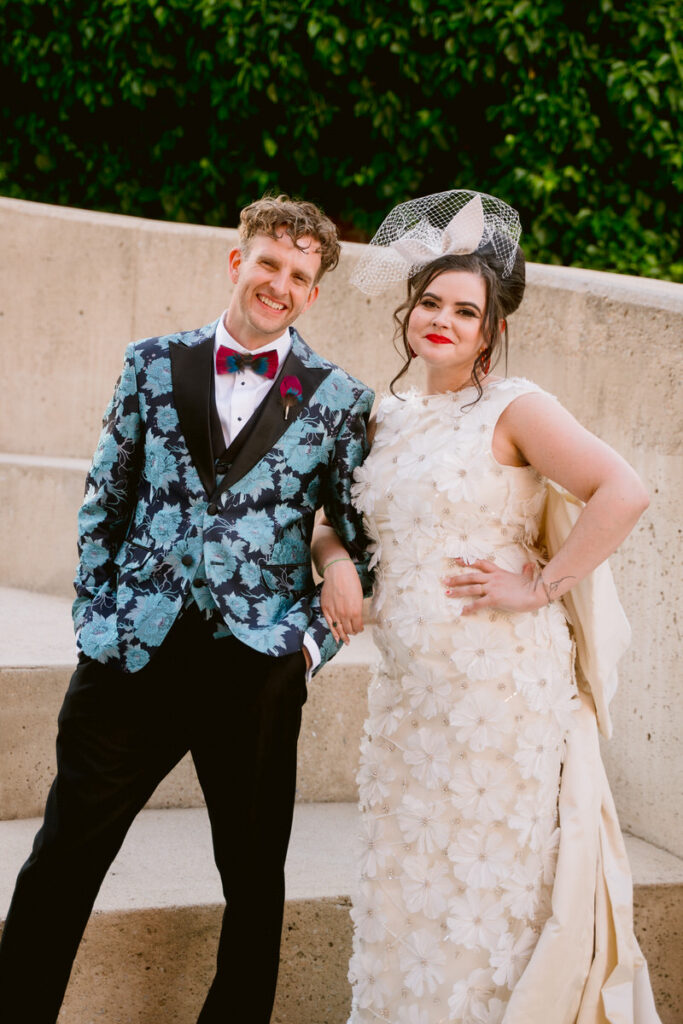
503	297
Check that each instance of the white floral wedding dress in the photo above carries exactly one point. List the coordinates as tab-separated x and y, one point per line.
464	743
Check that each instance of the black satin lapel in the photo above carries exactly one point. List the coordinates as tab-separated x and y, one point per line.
268	423
217	437
191	374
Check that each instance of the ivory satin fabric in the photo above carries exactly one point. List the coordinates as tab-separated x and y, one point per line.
587	954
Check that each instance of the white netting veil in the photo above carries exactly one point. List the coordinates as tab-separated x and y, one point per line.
421	230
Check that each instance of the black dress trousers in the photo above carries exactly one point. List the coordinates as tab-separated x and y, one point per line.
239	713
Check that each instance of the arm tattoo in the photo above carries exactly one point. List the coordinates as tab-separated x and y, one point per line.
552	588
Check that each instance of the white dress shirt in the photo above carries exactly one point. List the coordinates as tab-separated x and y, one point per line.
237	397
239	394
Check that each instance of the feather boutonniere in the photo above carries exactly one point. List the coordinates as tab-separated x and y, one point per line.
291	392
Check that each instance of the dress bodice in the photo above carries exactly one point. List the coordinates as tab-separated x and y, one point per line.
432	491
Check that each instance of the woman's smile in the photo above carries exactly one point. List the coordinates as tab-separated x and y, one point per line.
439	339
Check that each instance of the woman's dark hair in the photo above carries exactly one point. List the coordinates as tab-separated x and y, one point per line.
503	296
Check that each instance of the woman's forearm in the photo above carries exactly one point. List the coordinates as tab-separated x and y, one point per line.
607	518
341	597
326	546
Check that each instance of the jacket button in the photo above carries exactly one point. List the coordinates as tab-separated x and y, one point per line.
212	509
187	560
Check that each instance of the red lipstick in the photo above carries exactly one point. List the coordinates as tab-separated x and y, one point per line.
439	339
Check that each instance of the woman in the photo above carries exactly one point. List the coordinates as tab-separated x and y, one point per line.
462	914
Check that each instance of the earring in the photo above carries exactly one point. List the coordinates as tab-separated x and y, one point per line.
413	354
485	357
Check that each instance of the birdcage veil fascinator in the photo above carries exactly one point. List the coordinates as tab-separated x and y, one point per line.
417	232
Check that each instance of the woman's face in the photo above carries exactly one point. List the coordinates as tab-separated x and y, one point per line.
445	327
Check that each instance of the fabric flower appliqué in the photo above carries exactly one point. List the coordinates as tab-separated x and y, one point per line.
512	956
415	621
480	856
428	754
482	790
362	490
410	515
538	680
481	652
458	477
537	744
386	714
476	921
532	822
426	886
430	692
420	824
470	996
372	846
422	960
522	887
374	776
481	720
373	986
367	914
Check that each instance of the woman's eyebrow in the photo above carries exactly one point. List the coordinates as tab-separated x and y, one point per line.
465	302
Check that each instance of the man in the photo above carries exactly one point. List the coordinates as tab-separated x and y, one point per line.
196	612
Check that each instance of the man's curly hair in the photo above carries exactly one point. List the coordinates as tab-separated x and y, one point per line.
269	215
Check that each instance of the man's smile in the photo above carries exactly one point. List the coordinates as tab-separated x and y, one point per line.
271	303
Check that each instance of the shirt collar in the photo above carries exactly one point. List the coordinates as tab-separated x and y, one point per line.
281	345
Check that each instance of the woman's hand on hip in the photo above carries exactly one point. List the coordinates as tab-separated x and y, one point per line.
493	587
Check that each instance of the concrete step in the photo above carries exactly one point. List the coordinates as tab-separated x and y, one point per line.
38	516
42	496
37	657
148	952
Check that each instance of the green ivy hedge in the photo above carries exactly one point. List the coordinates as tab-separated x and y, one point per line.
187	109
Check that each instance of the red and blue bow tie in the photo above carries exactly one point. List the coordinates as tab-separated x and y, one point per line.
229	360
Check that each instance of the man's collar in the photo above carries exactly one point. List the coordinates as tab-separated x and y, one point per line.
281	345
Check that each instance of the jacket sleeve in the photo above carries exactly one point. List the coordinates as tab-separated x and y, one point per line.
351	449
110	490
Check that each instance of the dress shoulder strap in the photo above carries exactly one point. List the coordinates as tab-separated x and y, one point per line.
502	392
499	395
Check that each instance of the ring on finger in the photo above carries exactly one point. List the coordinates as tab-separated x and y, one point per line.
482	593
334	625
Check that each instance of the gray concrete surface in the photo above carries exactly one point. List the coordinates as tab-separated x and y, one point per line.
37	657
148	951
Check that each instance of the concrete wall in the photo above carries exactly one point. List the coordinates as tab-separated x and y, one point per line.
78	286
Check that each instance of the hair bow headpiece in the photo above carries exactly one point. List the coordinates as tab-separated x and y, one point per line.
417	232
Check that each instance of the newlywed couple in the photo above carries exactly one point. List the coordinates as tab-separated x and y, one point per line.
199	627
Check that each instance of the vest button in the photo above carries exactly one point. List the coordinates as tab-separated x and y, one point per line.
187	560
212	509
222	467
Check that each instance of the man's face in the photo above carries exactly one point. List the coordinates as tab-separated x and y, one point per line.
274	283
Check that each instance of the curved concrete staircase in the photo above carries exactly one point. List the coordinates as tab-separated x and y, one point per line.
148	952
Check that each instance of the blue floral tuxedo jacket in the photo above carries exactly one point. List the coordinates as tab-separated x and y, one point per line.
154	506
